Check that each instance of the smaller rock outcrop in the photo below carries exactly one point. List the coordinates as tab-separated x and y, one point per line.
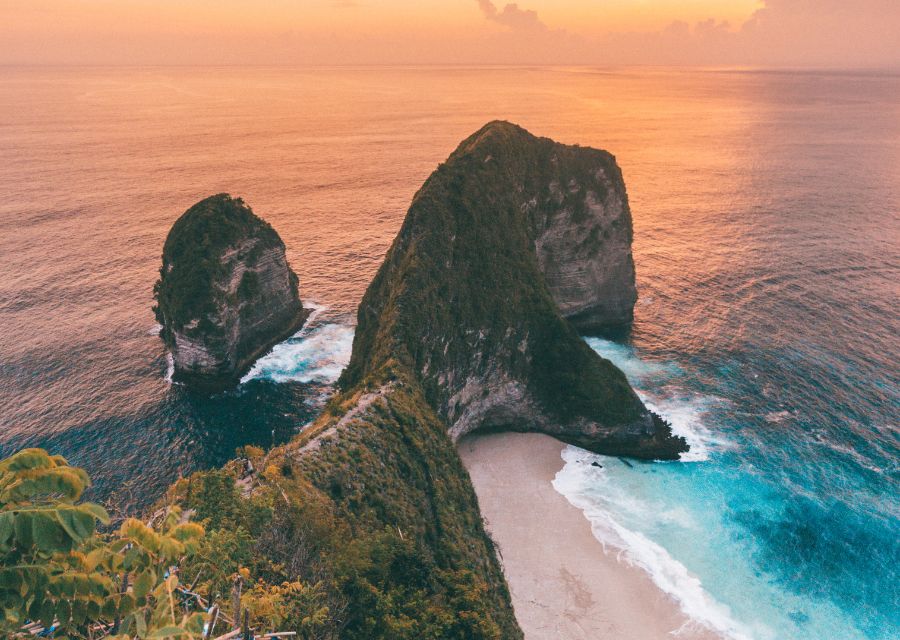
226	293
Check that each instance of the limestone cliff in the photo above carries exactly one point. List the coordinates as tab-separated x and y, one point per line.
509	235
226	293
581	224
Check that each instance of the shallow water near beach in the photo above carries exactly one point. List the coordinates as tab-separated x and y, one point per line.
766	212
764	533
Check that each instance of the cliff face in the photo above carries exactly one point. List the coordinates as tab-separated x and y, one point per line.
581	224
226	293
508	236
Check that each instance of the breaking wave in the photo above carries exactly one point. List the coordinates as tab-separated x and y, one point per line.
318	353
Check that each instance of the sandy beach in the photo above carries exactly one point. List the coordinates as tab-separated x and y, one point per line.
564	585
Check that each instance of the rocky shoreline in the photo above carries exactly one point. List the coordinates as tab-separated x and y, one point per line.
213	383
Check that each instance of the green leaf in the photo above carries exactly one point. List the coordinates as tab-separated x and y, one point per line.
126	604
79	611
143	583
96	511
169	548
29	459
23	530
63	585
125	629
47	533
47	613
34	607
195	624
132	556
140	624
67	481
94	558
100	585
63	610
13	580
110	607
118	545
187	531
78	524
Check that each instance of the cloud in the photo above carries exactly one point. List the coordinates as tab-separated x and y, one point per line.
782	33
821	33
512	16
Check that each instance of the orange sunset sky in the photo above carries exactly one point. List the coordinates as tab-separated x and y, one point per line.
791	33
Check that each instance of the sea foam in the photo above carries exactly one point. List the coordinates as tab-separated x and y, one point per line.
606	500
317	353
684	410
581	483
686	415
170	367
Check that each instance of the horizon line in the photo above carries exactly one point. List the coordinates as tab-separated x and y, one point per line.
461	65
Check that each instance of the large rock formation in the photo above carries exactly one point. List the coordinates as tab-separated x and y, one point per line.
460	330
226	293
505	238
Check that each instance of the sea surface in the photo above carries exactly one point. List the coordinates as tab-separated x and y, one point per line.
767	241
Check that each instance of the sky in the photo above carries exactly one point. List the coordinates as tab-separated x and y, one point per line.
769	33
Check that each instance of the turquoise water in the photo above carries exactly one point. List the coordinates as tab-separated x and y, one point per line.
771	530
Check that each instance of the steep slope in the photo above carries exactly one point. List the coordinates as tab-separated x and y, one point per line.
226	293
462	298
372	512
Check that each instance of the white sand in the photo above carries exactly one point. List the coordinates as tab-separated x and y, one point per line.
564	585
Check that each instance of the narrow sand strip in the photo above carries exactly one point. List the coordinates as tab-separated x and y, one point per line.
564	585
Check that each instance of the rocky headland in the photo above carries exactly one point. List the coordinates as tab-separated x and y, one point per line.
225	294
506	239
462	329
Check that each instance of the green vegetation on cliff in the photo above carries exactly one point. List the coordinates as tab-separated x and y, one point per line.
369	511
368	516
375	536
369	507
366	526
226	293
464	263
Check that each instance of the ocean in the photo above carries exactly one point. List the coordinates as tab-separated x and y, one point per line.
767	244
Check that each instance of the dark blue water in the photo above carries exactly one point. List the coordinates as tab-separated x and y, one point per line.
767	244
